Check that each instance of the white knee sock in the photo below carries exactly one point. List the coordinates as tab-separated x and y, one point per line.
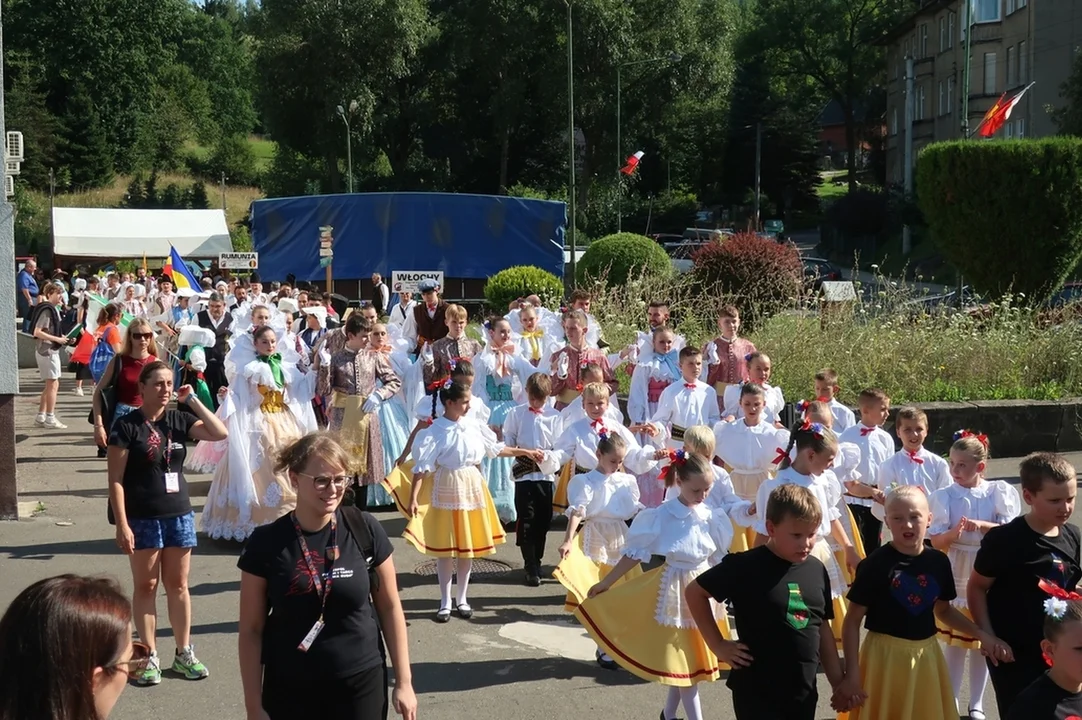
672	703
956	666
462	579
978	680
445	568
689	697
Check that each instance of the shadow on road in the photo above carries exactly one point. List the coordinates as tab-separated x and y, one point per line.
437	677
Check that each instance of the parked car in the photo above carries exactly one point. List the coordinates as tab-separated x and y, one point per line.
817	271
704	234
682	254
664	239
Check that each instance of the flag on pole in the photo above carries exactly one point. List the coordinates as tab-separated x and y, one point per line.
97	302
632	163
144	261
176	268
999	113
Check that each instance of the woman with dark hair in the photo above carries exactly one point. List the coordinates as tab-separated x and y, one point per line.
66	651
155	523
309	584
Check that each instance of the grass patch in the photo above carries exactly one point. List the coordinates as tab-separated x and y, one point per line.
237	198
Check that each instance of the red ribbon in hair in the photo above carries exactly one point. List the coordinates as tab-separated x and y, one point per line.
676	457
782	454
981	437
1050	588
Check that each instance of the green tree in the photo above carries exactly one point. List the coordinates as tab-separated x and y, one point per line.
213	47
197	199
84	148
135	196
150	192
1068	115
233	156
832	43
26	111
172	197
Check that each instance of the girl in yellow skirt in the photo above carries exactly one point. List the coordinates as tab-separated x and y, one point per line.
961	514
699	441
899	592
450	511
749	447
816	447
645	624
601	502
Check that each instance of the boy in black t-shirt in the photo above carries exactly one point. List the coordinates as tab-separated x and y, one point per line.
1057	694
781	598
1003	591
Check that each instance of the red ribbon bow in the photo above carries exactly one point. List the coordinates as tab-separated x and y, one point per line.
578	387
598	425
823	399
431	308
914	455
782	454
866	431
689	386
537	411
676	457
1050	588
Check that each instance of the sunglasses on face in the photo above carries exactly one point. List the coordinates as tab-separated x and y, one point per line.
140	653
322	482
142	336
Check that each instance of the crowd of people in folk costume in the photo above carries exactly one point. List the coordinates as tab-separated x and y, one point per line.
778	543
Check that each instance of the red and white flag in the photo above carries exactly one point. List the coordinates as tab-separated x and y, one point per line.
999	113
632	163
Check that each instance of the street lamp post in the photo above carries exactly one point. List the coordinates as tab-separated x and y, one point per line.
671	57
570	144
349	141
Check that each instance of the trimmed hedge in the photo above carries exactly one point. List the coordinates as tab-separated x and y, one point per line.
512	283
1007	214
615	258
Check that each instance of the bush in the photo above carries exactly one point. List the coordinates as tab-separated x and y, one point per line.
763	276
615	258
233	155
1007	214
508	285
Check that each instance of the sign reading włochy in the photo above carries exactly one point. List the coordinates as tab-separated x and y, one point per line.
408	280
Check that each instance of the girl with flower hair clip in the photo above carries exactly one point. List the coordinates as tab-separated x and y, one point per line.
961	514
1057	694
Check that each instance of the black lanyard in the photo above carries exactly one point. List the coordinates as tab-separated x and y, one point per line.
330	557
167	439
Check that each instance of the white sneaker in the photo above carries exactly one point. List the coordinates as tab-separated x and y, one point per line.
54	424
78	391
39	420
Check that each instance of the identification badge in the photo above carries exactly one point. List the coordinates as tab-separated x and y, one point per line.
172	482
311	636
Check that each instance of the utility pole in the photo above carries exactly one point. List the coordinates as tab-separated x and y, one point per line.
907	239
570	147
758	170
223	192
9	356
619	158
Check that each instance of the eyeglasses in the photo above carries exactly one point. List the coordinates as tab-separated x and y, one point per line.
142	336
140	654
322	482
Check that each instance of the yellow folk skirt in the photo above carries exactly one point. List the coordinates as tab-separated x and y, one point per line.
621	621
746	487
952	637
578	574
444	533
850	525
905	680
559	493
821	550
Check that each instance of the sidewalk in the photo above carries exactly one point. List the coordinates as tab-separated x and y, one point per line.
521	653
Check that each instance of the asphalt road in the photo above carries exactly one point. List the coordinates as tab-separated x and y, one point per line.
520	656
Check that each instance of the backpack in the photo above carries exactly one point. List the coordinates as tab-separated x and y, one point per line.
353	518
99	358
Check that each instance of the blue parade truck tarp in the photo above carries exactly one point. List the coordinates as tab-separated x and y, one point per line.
465	236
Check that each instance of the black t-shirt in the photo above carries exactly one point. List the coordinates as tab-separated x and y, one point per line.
1018	557
1045	700
350	641
779	608
900	591
144	474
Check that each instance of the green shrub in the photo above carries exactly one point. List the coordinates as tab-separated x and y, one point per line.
508	285
615	258
234	156
1007	214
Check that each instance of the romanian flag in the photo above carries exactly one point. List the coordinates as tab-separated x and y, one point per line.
999	113
175	267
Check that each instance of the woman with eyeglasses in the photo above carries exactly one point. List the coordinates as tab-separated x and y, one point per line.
66	651
155	523
122	374
309	584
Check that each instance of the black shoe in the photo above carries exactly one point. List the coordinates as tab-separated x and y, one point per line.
465	611
662	717
533	578
607	662
444	615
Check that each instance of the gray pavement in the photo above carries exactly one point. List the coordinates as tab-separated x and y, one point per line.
520	656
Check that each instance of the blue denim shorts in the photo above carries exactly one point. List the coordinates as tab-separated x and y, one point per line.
175	532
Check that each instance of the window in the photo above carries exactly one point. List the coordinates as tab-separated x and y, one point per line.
950	95
894	122
989	73
987	10
1010	129
1022	3
1021	127
1011	6
1012	66
942	34
919	103
942	110
924	40
950	30
1023	63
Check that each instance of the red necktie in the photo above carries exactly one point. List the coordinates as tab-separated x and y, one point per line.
915	457
537	411
866	431
689	386
598	425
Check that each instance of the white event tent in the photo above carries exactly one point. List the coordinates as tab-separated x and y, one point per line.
121	233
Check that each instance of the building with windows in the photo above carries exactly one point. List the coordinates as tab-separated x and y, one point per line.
1014	42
